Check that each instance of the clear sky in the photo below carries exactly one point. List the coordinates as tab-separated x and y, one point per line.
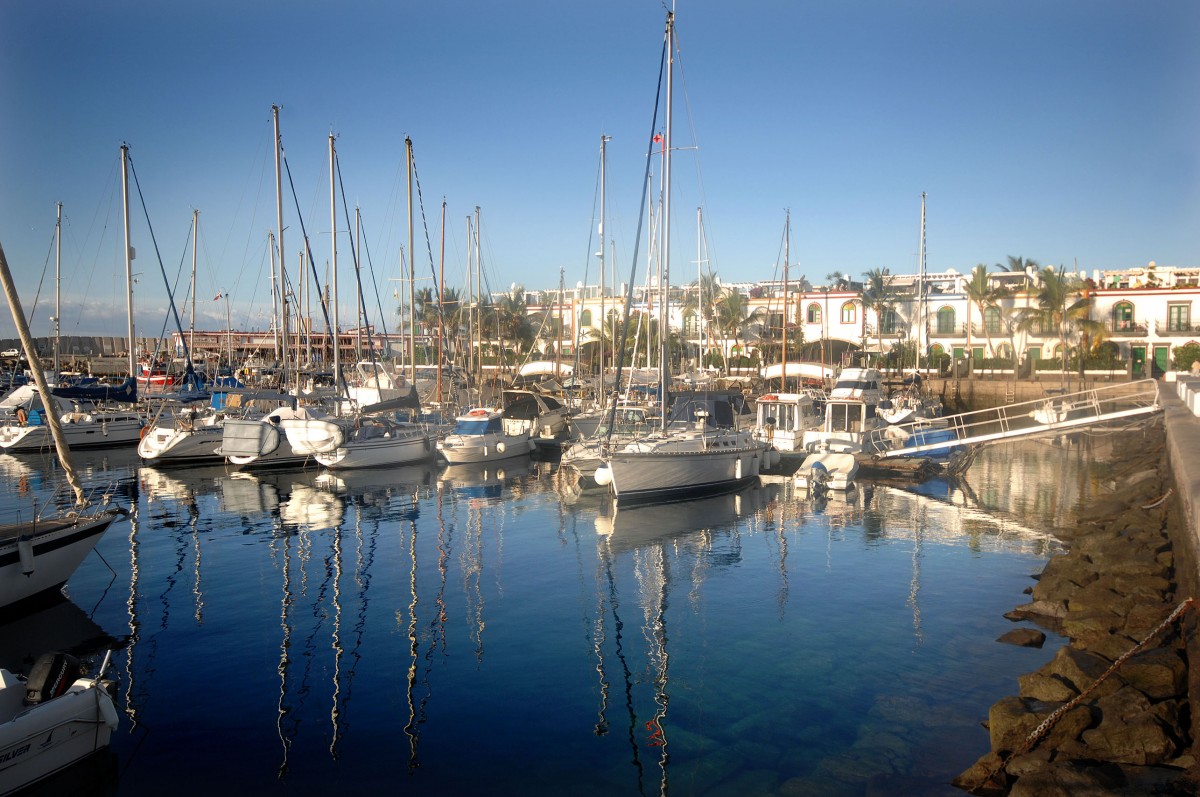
1063	131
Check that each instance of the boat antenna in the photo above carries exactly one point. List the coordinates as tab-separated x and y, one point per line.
39	378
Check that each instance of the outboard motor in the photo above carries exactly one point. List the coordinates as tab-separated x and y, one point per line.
51	676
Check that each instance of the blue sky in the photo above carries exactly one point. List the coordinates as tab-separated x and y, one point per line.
1065	132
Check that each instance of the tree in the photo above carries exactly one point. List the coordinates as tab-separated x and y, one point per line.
1065	307
877	295
512	321
733	315
983	293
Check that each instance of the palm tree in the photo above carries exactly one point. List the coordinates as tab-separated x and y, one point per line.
512	321
877	295
733	316
983	294
1063	305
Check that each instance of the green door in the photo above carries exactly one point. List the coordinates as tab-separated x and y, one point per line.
1161	360
1138	355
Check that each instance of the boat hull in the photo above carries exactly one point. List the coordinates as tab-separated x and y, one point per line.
44	562
646	476
121	430
470	449
169	445
48	737
404	449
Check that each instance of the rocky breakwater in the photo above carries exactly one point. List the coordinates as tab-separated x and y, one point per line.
1110	713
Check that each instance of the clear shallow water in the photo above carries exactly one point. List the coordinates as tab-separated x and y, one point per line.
459	630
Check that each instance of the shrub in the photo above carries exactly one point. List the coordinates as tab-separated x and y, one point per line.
1185	355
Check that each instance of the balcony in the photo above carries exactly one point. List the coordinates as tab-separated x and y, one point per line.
1176	328
1117	328
948	331
980	331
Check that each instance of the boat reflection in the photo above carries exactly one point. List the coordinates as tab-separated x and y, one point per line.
484	479
57	625
627	528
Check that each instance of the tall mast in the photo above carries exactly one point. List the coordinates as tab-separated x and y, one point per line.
558	344
441	286
603	317
921	288
664	315
412	272
787	239
358	327
195	235
470	306
337	353
57	288
129	255
283	315
479	293
700	281
274	292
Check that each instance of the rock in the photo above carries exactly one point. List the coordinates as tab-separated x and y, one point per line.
1075	624
1012	719
1023	637
1122	705
1069	780
1080	669
984	777
1045	609
1139	740
1158	673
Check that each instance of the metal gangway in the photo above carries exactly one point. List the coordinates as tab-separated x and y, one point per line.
1054	414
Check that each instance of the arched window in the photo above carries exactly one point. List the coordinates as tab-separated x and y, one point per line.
849	313
991	321
1122	316
814	313
585	318
945	320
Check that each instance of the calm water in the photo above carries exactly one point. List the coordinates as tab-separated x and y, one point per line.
458	631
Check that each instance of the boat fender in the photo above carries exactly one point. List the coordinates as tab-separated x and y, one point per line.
144	431
25	550
500	447
603	476
51	676
427	446
500	474
22	416
737	469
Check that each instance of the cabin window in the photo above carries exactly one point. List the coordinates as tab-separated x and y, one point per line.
849	313
945	320
814	313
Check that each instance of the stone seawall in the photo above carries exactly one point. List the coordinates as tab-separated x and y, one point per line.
1116	711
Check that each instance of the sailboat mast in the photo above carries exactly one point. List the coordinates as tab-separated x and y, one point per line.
700	282
603	318
337	354
470	306
412	272
787	238
664	315
192	326
358	307
921	288
57	289
441	286
283	330
128	261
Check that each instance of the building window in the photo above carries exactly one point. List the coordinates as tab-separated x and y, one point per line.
585	318
814	313
945	320
1123	316
1179	317
991	321
849	313
887	321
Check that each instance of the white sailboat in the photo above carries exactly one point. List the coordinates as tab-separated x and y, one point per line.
54	718
694	452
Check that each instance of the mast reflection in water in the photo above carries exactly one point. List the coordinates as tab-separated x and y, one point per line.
463	631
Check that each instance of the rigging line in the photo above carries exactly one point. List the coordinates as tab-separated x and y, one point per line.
374	282
425	225
42	280
637	241
162	335
312	264
170	296
362	304
691	124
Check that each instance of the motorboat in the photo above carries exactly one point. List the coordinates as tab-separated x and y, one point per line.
262	443
851	413
361	441
782	418
543	418
484	434
910	403
38	556
827	470
51	719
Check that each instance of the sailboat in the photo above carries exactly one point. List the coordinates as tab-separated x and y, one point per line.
54	717
88	415
695	451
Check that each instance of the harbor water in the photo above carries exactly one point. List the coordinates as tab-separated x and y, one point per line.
494	630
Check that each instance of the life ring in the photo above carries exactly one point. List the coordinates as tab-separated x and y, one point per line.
478	412
22	416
